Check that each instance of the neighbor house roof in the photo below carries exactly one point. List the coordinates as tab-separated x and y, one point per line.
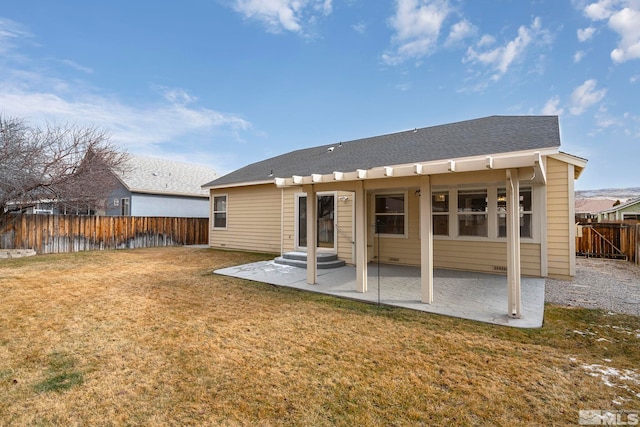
622	206
484	136
151	175
593	206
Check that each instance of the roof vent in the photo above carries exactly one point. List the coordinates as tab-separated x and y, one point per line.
330	149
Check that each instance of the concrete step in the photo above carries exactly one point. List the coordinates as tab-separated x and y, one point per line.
299	259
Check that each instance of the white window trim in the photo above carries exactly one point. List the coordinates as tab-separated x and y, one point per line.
447	214
405	195
455	214
213	211
492	213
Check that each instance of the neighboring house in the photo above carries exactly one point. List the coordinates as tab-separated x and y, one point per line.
587	210
156	187
629	211
448	196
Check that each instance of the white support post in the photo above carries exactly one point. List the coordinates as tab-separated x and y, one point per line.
312	232
426	240
361	238
513	243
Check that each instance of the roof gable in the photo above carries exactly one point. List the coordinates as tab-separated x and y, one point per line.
489	135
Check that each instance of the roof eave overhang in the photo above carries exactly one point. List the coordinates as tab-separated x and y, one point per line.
520	159
578	162
168	193
237	184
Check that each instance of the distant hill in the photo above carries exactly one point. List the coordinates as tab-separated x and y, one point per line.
622	194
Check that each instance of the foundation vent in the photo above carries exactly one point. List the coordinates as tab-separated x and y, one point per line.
394	259
499	268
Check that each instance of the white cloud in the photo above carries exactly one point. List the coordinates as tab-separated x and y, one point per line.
577	57
585	34
283	15
584	96
500	58
460	31
627	24
360	28
634	78
10	32
486	40
552	107
131	126
601	9
77	66
417	25
623	17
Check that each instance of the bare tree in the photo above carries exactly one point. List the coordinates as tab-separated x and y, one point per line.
68	165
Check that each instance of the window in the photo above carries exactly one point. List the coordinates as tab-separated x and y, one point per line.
390	214
440	204
220	211
472	213
125	209
525	209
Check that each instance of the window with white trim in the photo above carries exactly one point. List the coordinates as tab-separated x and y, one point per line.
125	207
391	214
472	213
525	209
220	211
440	211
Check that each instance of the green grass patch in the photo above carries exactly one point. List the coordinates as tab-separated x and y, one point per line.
60	375
59	382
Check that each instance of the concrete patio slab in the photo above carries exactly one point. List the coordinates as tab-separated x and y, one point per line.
474	296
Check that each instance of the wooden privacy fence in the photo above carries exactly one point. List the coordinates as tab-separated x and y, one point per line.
71	233
609	240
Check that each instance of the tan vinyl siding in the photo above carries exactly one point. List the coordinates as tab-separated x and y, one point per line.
344	230
289	212
489	257
483	256
558	221
253	219
401	250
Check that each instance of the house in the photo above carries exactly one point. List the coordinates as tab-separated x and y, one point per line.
157	187
493	194
587	210
628	211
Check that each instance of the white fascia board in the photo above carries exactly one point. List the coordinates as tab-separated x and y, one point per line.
169	193
238	184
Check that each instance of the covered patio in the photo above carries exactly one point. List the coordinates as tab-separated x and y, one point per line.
468	295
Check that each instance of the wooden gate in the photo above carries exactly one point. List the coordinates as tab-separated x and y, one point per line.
609	240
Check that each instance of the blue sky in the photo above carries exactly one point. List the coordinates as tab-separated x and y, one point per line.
229	82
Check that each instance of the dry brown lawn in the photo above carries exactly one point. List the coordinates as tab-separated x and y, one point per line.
152	337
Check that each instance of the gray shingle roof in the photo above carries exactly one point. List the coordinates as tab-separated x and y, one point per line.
489	135
159	176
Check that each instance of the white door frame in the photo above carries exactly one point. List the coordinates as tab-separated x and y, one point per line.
335	221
